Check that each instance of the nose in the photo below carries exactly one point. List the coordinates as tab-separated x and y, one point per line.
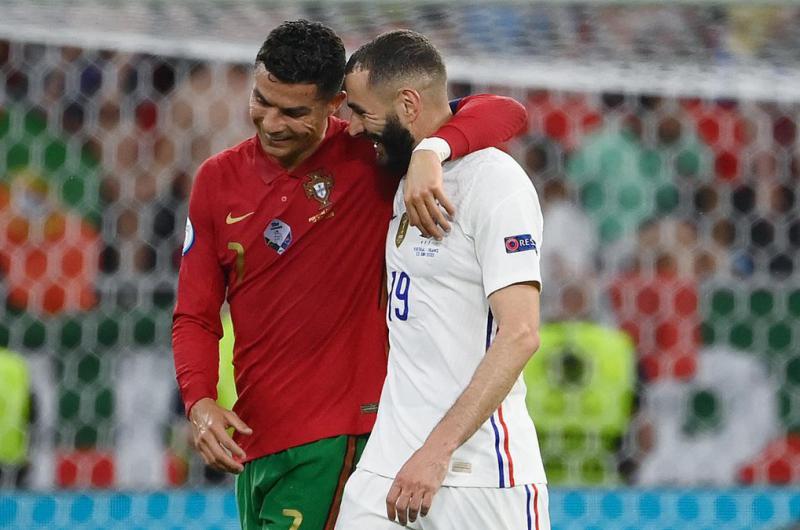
356	126
272	121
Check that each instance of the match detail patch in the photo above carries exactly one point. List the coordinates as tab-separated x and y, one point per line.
520	243
278	236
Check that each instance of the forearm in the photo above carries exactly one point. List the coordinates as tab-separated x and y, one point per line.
196	326
482	121
489	386
196	354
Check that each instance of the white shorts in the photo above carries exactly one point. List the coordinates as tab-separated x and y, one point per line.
518	508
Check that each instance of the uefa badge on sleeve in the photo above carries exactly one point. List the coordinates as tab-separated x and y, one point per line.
520	243
188	237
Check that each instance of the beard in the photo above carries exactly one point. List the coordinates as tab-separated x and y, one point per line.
397	144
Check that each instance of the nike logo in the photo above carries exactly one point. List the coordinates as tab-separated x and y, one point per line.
232	220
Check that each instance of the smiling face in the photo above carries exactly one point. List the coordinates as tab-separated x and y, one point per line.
291	118
374	116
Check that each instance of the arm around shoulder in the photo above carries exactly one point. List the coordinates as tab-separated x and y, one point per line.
481	121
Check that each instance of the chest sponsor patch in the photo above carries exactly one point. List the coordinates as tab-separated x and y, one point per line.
520	243
278	236
188	238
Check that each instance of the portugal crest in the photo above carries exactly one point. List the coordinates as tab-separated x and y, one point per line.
318	187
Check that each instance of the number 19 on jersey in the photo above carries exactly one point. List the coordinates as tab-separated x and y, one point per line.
398	296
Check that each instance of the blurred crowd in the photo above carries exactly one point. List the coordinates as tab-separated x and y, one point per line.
700	34
670	303
675	222
98	152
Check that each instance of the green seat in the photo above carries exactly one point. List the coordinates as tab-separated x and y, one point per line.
762	318
580	393
14	408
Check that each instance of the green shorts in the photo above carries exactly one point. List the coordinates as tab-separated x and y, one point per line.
299	488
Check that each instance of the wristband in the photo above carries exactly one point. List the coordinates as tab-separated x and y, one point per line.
437	145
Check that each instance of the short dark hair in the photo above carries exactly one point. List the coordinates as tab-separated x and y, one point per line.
398	54
299	51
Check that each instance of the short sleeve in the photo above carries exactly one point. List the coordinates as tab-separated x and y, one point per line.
507	226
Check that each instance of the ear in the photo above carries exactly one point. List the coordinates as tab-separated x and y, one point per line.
336	102
408	105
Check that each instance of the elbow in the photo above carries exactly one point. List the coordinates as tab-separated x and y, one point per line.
526	340
520	123
532	342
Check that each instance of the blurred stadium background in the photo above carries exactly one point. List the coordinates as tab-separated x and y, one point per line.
662	140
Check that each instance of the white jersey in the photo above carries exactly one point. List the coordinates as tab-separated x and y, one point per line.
440	323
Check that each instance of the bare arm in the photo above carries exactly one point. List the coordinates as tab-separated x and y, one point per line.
516	309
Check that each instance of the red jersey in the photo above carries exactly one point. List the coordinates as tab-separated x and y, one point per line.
300	256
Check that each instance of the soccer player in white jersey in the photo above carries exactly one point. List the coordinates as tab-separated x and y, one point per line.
453	446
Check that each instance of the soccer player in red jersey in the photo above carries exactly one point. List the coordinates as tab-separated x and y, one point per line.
290	226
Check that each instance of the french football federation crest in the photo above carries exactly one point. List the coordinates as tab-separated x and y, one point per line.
402	228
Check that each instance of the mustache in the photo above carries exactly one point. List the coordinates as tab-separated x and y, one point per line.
376	138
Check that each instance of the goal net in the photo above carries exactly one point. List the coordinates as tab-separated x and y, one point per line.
662	140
